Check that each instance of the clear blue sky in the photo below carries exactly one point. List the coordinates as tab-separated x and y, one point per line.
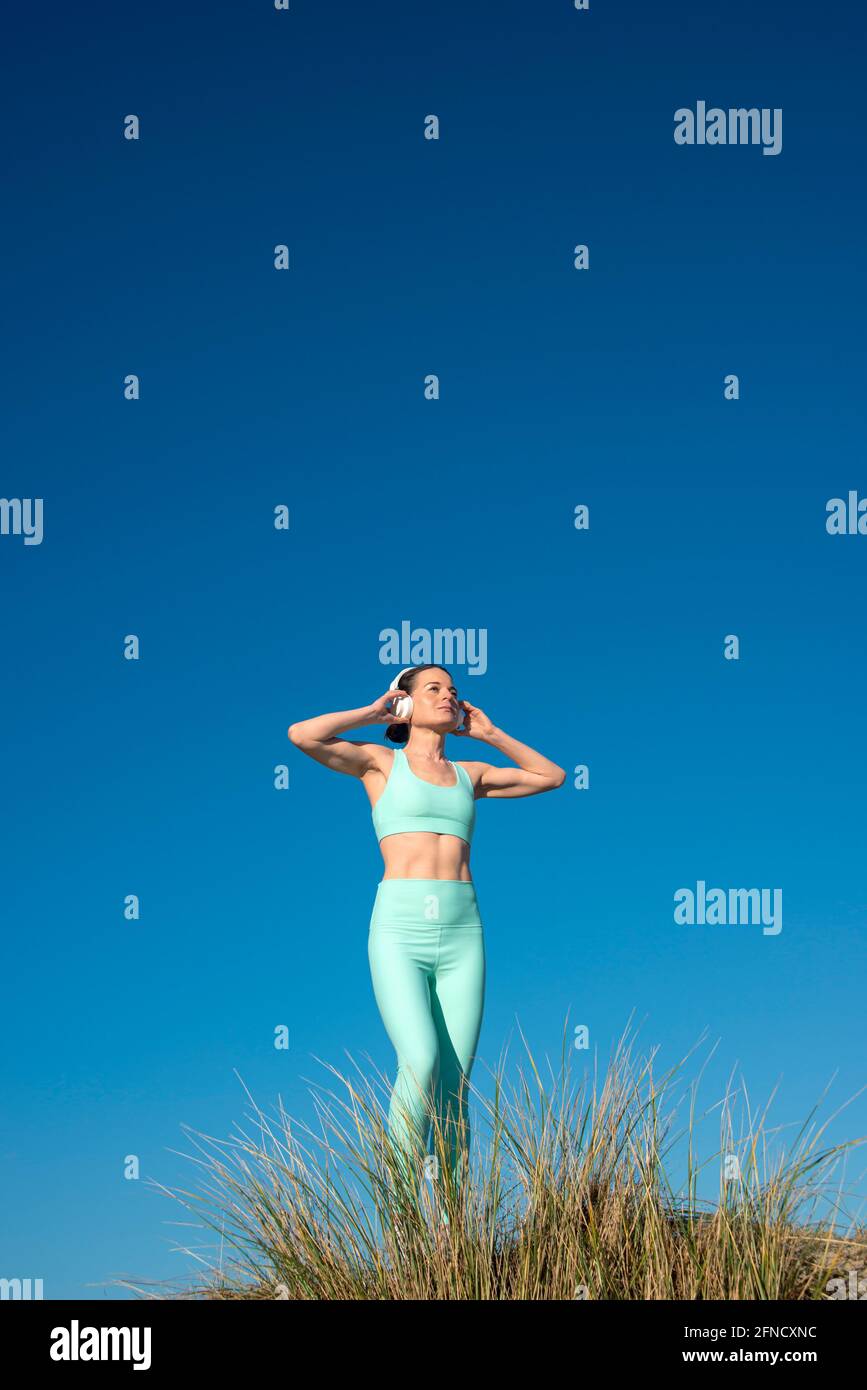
304	388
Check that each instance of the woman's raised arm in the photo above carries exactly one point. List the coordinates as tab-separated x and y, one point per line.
318	737
534	773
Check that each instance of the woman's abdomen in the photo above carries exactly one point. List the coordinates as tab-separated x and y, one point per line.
422	854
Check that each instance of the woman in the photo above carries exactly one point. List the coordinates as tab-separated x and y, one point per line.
425	945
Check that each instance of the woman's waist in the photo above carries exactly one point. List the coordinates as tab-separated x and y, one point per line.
437	901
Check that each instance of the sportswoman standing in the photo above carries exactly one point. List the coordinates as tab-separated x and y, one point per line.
426	943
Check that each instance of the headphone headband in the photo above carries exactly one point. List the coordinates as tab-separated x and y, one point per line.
394	683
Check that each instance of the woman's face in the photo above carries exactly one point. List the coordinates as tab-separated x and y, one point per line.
435	700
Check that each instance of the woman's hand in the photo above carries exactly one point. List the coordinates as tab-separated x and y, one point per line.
381	714
476	722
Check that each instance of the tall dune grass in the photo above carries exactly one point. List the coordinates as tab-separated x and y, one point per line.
566	1196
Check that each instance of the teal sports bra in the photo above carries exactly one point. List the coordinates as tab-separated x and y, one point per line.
411	803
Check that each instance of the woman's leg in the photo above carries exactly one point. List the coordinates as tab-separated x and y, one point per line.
401	959
457	999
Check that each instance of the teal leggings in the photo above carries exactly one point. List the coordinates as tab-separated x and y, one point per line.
427	961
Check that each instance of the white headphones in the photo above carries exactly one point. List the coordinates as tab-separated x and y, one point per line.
401	707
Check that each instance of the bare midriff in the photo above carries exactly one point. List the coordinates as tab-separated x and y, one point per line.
423	854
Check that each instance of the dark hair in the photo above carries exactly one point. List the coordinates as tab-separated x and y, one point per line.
399	733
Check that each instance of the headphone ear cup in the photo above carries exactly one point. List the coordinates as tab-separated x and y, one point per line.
403	707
